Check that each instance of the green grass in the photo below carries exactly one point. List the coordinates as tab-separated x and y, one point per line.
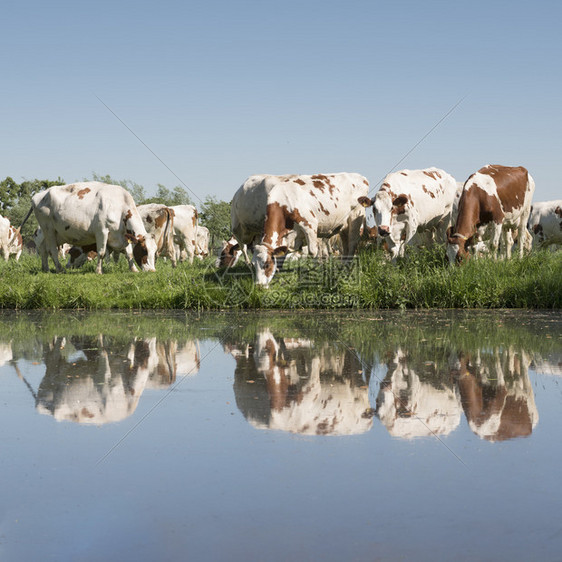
420	281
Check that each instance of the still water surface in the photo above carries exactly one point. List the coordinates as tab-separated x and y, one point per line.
348	436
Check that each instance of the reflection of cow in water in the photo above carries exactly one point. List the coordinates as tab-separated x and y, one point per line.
297	386
411	405
496	394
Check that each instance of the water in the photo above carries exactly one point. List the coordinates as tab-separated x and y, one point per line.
348	436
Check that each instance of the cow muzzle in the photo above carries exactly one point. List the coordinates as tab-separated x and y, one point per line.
384	231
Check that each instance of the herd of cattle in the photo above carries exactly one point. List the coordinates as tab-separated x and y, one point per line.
310	215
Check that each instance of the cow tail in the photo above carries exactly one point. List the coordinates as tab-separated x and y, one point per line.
25	219
167	231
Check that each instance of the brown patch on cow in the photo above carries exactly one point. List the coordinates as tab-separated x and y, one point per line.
558	211
385	185
366	182
148	219
319	185
433	174
325	180
299	181
511	183
269	266
86	413
326	212
127	216
161	218
430	193
83	192
403	173
312	193
278	219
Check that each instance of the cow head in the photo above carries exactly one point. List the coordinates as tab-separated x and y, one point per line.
144	251
457	245
264	261
386	208
230	254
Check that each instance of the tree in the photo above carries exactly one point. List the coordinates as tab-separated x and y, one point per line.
165	196
215	215
15	201
135	189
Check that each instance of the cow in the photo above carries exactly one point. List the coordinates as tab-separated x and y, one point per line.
229	253
496	393
185	231
294	385
410	404
202	242
92	212
545	223
309	207
159	223
5	237
11	241
495	199
411	202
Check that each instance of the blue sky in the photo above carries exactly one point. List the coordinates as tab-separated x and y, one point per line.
222	90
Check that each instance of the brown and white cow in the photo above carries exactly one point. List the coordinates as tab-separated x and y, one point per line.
411	202
185	231
310	207
495	199
496	393
545	223
15	244
294	385
11	241
92	212
159	223
229	253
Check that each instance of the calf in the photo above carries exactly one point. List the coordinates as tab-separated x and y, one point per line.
495	199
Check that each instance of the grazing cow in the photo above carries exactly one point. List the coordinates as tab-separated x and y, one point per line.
229	254
92	212
15	245
545	223
411	202
495	199
202	242
310	207
5	237
88	383
410	404
185	231
159	223
496	393
293	385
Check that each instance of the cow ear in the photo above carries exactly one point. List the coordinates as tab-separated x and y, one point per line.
364	201
401	200
280	251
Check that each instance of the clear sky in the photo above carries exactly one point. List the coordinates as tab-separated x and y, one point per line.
220	90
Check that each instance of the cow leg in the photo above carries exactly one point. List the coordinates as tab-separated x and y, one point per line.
130	258
495	240
51	248
5	253
101	245
350	239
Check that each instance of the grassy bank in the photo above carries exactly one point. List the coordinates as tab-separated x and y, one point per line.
422	280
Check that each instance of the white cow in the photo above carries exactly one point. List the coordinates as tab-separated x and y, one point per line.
202	242
15	243
411	202
5	237
185	231
545	223
308	207
92	212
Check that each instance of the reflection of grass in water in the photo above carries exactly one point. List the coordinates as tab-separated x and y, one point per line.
372	334
422	280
